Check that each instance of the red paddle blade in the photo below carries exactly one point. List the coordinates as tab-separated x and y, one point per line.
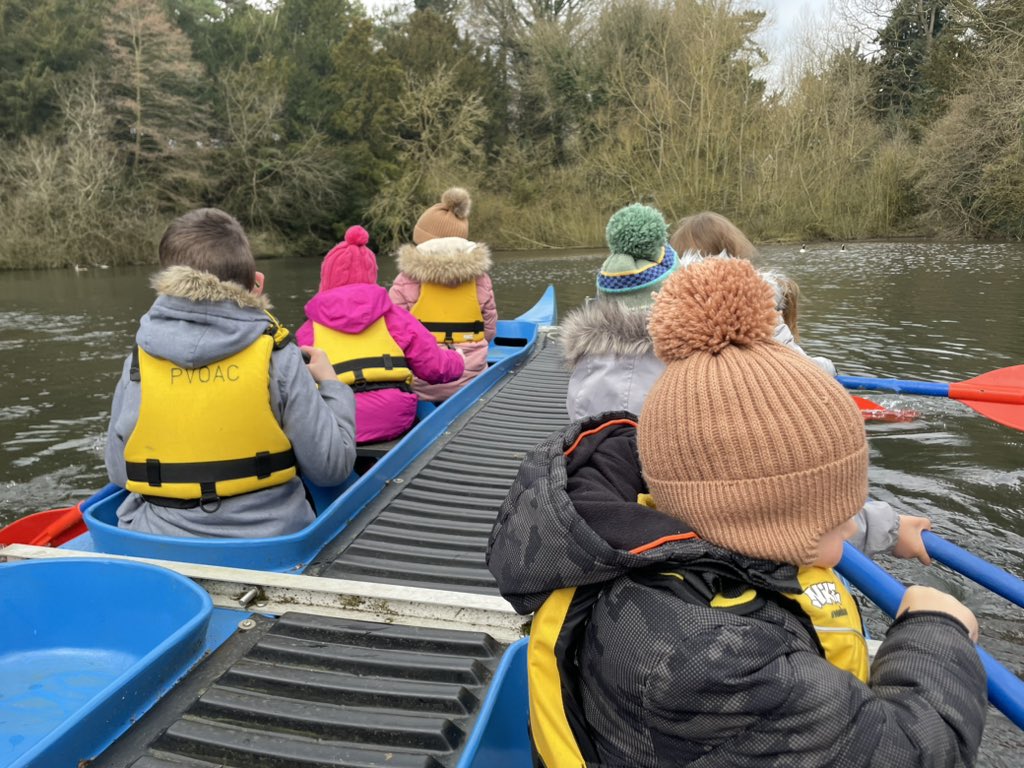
998	395
1007	414
45	529
872	411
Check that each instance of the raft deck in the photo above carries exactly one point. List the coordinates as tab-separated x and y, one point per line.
429	527
318	691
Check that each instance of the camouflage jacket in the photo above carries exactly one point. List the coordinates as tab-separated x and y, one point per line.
667	682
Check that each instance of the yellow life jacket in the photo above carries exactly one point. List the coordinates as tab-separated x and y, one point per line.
367	360
451	312
206	433
836	619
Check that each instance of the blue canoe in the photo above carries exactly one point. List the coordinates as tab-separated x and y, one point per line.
335	506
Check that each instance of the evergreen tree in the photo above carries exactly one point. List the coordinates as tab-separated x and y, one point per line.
907	83
43	43
154	82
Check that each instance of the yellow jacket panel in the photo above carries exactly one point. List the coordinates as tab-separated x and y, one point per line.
367	360
451	312
208	432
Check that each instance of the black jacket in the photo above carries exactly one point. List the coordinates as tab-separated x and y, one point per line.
668	682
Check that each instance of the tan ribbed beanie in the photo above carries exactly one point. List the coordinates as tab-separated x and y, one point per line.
449	218
747	441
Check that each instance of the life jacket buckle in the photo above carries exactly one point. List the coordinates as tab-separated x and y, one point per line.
209	501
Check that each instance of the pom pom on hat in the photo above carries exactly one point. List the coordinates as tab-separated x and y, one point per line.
637	231
350	261
641	258
449	218
456	200
724	303
748	442
356	235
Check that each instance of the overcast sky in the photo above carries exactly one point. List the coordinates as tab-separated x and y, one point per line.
786	21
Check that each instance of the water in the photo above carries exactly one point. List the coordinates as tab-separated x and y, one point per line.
927	311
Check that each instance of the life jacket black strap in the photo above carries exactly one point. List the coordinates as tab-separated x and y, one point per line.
134	372
449	329
155	472
374	386
387	362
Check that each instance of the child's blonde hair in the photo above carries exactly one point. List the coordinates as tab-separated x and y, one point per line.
709	234
790	292
210	240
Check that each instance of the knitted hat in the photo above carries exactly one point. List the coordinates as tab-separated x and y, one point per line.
641	258
350	261
744	439
449	218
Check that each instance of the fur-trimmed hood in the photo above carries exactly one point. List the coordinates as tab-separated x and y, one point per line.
445	260
198	319
195	285
605	327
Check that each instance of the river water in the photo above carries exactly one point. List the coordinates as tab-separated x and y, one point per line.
910	310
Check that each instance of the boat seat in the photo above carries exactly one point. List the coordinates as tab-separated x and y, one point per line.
375	450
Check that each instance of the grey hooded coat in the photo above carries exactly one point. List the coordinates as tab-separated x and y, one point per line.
196	320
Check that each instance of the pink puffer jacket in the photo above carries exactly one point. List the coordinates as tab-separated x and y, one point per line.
387	413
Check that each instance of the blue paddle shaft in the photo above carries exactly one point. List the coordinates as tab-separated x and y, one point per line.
1005	690
973	567
930	388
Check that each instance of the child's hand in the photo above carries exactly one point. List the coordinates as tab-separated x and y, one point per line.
319	366
918	598
908	541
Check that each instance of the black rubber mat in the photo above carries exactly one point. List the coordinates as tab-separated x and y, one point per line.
312	692
429	528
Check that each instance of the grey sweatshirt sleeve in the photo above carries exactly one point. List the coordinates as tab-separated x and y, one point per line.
878	528
320	423
785	337
118	430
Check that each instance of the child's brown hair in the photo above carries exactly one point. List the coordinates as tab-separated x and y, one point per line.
709	234
210	240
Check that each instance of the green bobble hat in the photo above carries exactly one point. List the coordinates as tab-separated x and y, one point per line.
641	258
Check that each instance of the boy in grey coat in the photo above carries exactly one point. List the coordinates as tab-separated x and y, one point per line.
206	312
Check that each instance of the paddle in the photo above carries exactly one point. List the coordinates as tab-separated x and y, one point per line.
874	412
973	567
997	395
1005	690
45	529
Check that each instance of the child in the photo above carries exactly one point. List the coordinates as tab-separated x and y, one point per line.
707	234
374	346
443	281
703	624
215	414
606	341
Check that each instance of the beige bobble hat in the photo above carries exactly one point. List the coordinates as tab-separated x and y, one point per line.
747	441
449	218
